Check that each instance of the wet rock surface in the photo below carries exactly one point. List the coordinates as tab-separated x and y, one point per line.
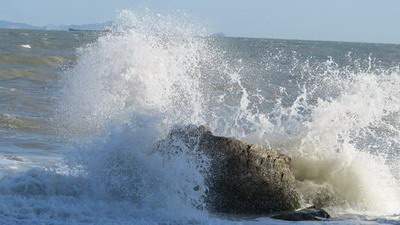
309	214
242	178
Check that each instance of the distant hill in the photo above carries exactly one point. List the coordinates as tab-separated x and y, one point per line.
13	25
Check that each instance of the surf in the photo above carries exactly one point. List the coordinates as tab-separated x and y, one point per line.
153	72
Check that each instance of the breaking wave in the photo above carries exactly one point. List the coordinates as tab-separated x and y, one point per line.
154	72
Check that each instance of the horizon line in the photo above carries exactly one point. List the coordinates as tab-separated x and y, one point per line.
43	28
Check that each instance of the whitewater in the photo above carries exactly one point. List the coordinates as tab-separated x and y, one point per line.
115	96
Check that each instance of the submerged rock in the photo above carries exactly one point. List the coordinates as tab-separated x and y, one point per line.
242	178
311	213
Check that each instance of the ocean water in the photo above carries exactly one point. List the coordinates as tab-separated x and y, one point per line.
80	113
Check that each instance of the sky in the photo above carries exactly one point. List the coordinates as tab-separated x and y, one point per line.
338	20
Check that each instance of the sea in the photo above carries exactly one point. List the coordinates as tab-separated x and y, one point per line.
81	112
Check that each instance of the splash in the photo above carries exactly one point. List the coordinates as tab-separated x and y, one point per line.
148	64
153	72
336	153
341	130
127	90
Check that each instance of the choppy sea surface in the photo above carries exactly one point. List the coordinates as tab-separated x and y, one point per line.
80	113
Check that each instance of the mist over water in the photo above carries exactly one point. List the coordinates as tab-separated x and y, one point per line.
337	117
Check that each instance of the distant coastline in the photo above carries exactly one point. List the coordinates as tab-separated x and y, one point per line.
84	27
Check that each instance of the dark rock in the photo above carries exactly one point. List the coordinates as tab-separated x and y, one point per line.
242	178
311	214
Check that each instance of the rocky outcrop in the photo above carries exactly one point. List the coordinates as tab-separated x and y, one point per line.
242	178
310	214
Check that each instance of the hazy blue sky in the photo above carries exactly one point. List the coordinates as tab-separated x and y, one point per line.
346	20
